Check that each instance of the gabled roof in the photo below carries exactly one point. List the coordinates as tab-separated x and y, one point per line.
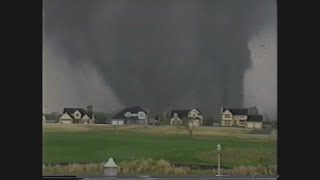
236	111
255	118
89	114
181	113
136	109
71	111
197	110
133	110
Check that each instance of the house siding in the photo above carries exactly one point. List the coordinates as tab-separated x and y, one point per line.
140	121
234	121
258	125
85	117
238	118
227	113
65	116
128	121
195	122
117	122
227	122
179	121
77	115
65	122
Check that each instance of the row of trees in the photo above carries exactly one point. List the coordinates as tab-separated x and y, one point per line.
53	116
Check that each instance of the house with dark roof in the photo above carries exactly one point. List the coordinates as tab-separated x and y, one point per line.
195	115
76	115
241	117
130	115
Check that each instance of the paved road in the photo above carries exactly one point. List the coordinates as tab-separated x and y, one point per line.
185	177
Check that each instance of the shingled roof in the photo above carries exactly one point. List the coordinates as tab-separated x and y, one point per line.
255	118
181	113
89	114
236	111
71	111
197	110
133	110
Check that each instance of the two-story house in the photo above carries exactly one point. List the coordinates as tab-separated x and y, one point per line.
234	116
194	115
241	117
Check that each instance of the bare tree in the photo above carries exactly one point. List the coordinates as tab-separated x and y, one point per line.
190	126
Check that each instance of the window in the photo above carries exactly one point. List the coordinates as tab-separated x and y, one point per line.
242	123
141	115
227	116
193	115
127	114
77	115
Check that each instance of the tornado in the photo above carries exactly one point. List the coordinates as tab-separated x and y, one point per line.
162	55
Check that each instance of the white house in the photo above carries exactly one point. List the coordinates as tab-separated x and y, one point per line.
241	117
195	115
234	116
76	115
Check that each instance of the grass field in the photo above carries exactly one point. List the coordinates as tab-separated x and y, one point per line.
64	143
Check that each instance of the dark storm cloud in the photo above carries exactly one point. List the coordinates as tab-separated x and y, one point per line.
163	54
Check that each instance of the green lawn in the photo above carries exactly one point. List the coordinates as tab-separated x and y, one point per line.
89	143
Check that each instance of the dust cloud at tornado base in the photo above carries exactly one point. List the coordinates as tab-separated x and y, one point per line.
66	85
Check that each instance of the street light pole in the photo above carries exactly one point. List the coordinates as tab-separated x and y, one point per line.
219	149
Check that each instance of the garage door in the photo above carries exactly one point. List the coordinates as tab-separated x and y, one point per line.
257	125
65	122
250	125
117	122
